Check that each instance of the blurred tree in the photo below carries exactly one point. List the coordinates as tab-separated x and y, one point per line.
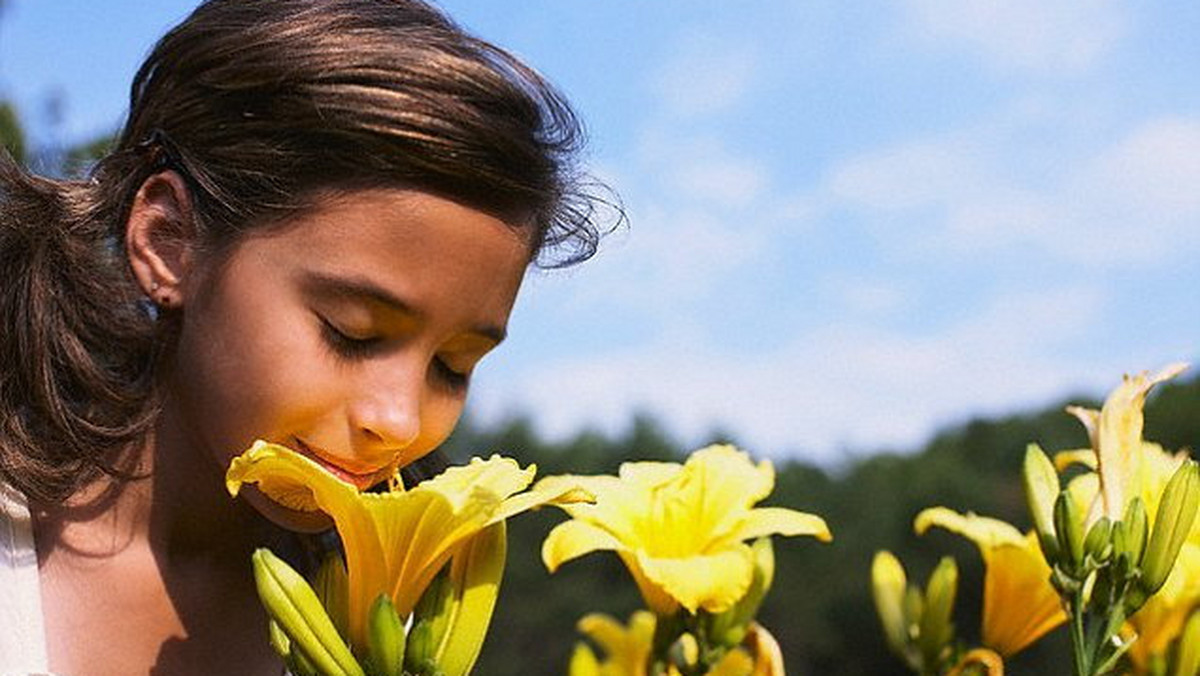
12	136
820	608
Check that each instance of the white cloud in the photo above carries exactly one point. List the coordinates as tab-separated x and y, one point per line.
846	386
705	74
1029	35
1133	203
868	296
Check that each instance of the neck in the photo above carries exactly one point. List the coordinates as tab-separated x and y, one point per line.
175	507
172	550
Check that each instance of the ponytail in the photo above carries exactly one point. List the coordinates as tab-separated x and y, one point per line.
76	344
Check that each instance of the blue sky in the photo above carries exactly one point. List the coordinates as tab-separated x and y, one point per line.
852	222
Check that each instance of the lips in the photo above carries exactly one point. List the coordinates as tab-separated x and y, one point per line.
360	479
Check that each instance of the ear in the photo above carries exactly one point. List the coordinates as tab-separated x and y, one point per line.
160	238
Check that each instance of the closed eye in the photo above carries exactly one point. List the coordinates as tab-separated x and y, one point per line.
348	346
455	380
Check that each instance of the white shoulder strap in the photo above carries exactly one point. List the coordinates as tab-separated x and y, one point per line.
22	636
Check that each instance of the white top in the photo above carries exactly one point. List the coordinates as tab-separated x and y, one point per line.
22	635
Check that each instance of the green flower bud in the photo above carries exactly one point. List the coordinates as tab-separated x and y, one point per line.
1097	546
1041	490
421	652
386	638
1176	513
1137	528
1068	525
936	630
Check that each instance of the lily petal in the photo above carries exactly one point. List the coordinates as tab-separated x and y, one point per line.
779	521
983	531
713	581
572	539
680	529
1019	603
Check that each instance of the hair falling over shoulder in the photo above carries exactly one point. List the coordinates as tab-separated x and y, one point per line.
260	107
76	350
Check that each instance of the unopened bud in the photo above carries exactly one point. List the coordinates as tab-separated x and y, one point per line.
1041	490
936	630
1068	525
386	638
420	654
1137	529
1097	546
888	586
1176	513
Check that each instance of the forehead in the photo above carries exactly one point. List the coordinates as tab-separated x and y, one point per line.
417	246
389	220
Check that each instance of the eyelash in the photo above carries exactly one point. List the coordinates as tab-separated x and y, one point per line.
346	346
351	348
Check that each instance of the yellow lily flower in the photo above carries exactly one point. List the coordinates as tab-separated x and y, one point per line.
1124	466
1162	619
397	541
768	658
1019	604
628	650
1115	432
680	529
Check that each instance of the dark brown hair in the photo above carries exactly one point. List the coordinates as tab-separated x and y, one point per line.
259	106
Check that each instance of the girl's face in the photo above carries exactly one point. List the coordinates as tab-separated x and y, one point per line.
348	333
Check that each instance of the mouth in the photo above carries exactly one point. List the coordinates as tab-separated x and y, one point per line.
362	480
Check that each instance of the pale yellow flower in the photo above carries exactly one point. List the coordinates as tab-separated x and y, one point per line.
627	650
1115	432
1125	466
1019	604
680	529
395	542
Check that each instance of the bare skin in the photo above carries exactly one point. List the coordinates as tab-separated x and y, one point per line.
348	334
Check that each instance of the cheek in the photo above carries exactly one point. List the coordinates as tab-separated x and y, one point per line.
243	375
438	420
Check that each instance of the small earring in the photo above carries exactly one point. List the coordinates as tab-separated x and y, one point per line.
153	287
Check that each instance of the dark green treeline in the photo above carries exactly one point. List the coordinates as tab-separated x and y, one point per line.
820	607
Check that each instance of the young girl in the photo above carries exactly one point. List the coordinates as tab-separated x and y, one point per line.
312	227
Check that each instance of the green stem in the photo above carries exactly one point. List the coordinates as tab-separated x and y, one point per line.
1081	650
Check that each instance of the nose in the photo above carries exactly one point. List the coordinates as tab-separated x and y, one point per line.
384	422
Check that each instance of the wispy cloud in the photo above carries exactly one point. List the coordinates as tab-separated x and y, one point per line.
704	74
1022	35
1134	202
850	386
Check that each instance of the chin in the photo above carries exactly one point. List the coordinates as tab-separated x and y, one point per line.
284	517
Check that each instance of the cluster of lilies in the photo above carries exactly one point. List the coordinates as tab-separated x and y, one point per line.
1114	555
415	591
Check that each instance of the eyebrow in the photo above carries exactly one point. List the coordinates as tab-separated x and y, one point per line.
362	288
